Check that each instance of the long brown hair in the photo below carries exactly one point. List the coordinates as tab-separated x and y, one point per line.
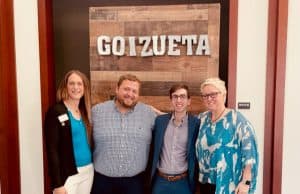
85	101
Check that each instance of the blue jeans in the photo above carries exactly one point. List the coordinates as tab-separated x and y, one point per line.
163	186
117	185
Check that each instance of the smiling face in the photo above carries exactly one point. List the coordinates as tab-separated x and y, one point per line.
127	93
213	98
75	87
180	100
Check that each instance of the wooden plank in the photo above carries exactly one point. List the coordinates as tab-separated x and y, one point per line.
111	62
177	63
149	88
160	102
96	98
163	103
156	7
185	27
142	13
104	63
214	14
104	13
150	76
213	31
105	28
143	76
163	63
171	76
166	15
102	91
174	64
161	88
194	76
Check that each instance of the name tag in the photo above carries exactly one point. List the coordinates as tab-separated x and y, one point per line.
62	118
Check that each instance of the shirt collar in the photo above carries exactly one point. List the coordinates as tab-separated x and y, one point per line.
183	120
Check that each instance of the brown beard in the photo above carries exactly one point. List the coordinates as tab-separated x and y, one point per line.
122	103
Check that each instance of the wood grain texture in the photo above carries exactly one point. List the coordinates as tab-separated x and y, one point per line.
98	76
161	102
157	73
148	88
142	13
142	28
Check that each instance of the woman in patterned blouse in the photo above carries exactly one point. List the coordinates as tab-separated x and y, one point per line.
226	147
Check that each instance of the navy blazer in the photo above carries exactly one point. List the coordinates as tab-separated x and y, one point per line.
60	155
160	126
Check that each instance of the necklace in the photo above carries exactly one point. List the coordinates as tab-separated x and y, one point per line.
218	117
72	107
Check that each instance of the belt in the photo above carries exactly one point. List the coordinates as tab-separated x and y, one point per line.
172	178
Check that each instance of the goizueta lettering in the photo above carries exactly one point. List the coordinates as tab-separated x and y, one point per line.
153	45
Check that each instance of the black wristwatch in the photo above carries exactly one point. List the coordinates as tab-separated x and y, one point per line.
247	182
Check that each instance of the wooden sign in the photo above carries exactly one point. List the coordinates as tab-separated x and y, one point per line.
158	72
153	45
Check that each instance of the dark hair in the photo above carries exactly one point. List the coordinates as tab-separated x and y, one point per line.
129	77
176	87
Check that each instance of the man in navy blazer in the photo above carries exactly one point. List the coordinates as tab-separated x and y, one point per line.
174	135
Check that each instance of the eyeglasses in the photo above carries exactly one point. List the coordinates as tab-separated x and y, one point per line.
181	97
212	95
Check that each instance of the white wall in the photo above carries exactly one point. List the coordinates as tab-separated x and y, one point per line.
291	137
29	98
251	68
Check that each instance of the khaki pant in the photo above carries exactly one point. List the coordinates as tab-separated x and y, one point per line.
80	183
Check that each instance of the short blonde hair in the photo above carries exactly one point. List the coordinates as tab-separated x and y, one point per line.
216	82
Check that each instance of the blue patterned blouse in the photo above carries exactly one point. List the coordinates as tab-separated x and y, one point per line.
223	149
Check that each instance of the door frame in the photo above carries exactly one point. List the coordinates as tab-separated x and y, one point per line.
9	131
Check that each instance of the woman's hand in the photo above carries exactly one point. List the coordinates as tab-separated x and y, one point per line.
242	188
60	190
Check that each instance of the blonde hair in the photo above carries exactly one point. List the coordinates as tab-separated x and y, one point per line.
216	82
85	101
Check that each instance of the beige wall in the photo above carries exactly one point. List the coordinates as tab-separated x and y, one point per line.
251	67
29	98
291	137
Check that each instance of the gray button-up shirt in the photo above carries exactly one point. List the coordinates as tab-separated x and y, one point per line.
173	157
122	141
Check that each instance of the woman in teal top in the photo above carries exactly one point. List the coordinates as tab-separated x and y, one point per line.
68	136
226	147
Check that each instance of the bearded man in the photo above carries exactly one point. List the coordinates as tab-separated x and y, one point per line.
122	131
